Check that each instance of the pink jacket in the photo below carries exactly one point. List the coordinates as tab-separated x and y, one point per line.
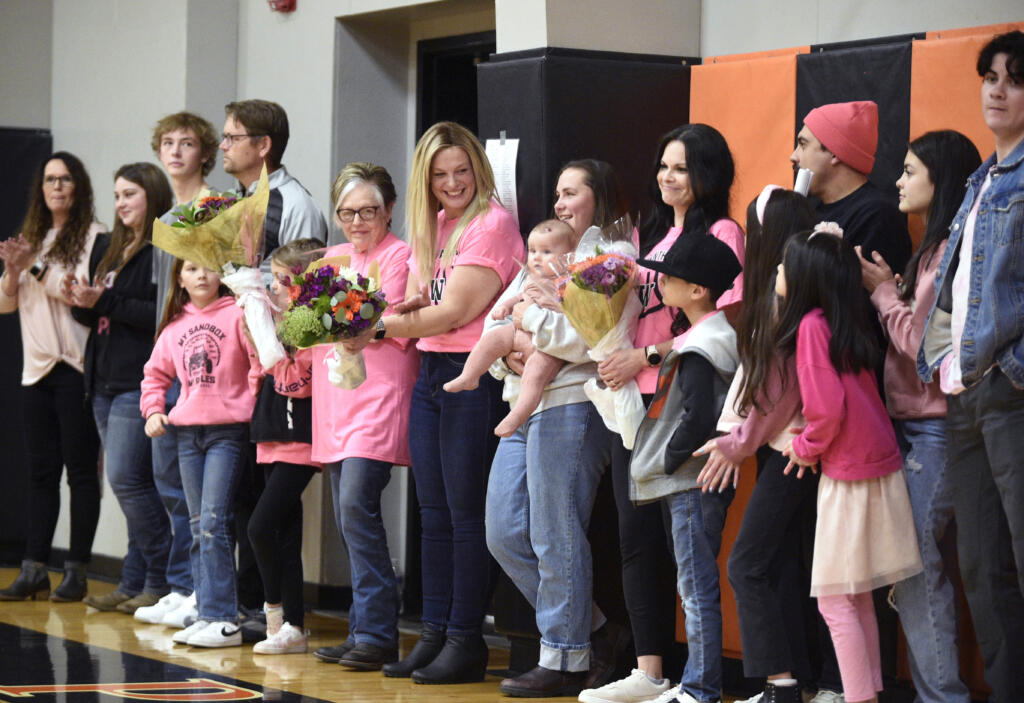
906	395
847	430
210	354
371	421
747	434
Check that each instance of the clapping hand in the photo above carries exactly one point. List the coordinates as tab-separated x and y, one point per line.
718	471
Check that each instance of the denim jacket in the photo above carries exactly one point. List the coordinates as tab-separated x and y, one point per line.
994	328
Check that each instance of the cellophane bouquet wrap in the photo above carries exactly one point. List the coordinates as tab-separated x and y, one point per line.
224	233
598	296
330	301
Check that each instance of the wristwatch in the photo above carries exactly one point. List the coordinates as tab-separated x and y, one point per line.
379	334
39	269
653	357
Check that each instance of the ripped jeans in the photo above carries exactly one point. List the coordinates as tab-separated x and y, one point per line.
211	458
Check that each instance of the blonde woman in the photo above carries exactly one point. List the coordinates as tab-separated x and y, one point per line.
465	248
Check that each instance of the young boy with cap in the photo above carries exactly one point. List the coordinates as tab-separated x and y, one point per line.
692	385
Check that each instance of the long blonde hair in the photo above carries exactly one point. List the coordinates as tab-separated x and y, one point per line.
422	206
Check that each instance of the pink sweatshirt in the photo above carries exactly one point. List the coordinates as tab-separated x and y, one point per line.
655	326
906	395
847	430
210	354
492	240
747	434
371	421
293	377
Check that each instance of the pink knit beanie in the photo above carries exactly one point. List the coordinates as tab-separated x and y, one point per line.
848	130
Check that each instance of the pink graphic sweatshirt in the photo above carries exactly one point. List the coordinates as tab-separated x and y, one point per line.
208	351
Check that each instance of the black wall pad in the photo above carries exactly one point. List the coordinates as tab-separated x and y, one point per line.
879	72
564	105
23	150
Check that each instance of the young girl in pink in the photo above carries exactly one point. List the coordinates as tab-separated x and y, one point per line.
865	535
202	342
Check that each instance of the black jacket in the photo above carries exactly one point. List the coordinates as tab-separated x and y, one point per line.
121	324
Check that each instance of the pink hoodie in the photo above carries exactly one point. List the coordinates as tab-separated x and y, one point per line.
210	354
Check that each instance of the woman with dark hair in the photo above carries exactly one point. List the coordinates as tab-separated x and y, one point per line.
690	186
56	238
119	308
932	186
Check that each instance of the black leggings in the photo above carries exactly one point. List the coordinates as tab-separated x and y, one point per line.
60	431
275	530
648	564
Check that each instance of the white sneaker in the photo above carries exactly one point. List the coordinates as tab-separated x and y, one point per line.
635	688
755	699
182	637
154	614
667	696
287	640
824	696
217	634
684	697
176	617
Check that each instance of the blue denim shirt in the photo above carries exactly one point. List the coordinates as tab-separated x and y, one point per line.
994	328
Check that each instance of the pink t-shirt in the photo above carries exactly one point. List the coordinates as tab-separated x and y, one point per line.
208	351
492	240
655	324
371	421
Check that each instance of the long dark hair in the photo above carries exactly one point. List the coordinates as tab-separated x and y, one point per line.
950	158
711	172
178	297
70	242
822	271
786	212
158	201
610	199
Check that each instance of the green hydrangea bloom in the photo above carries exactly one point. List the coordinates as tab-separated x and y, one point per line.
300	327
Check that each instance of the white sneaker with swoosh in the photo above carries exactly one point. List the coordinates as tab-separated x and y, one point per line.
217	634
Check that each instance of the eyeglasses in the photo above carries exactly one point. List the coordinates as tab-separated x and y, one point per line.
52	181
365	213
232	138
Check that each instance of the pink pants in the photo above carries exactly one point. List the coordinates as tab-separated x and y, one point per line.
851	622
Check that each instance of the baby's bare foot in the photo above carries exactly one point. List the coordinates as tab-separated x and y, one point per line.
459	383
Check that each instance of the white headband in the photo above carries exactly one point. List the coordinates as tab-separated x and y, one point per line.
762	201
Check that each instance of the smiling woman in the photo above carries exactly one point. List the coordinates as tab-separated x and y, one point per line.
56	239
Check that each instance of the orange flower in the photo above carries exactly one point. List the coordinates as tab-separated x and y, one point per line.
294	292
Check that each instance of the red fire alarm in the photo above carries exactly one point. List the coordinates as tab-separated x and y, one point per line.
282	5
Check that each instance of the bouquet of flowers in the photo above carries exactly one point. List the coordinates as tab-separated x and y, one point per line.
597	295
329	302
224	233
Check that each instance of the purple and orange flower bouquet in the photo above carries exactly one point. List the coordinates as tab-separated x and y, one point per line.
598	296
224	233
330	301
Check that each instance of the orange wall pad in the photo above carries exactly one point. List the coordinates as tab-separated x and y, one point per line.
753	104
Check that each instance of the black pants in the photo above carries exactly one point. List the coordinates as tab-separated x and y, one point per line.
648	564
60	431
275	532
767	572
986	449
250	488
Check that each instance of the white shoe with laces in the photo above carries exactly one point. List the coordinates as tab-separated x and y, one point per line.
674	695
635	688
182	637
217	634
754	699
176	617
287	640
824	696
154	614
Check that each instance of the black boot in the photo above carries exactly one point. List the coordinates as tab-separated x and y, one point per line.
74	586
462	660
430	644
781	694
33	583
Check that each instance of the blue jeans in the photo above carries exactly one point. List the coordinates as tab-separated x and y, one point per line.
697	522
452	441
129	469
925	602
542	487
211	458
167	477
357	485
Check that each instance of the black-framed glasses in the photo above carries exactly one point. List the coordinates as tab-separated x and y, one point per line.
365	213
64	180
232	138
